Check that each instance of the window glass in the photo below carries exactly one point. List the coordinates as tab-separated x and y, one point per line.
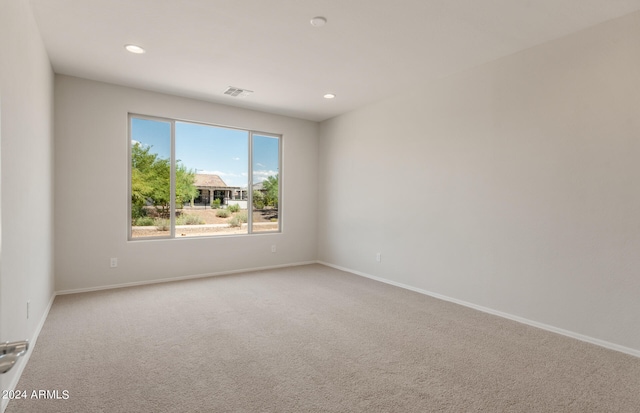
192	180
266	183
150	178
211	180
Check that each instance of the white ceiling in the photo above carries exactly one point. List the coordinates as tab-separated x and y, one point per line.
369	49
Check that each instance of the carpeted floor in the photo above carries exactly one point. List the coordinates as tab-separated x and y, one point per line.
308	339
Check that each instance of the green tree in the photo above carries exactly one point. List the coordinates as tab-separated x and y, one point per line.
151	182
270	186
185	184
141	184
159	177
258	199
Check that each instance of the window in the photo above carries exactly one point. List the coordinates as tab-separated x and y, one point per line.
192	180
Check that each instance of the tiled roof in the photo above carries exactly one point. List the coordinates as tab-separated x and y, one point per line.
204	180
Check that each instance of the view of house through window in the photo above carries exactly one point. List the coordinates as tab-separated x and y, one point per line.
265	186
223	181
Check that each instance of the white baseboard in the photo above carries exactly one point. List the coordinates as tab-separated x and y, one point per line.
577	336
22	361
186	277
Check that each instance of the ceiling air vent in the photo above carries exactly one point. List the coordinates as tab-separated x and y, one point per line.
237	92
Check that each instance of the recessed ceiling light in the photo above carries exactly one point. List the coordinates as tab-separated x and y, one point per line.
318	21
134	49
329	96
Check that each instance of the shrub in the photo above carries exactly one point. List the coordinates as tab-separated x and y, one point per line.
234	208
215	204
162	224
187	219
194	220
258	200
143	222
242	216
235	222
138	211
223	213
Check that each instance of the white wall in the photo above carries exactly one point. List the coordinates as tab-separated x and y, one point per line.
26	136
91	181
521	180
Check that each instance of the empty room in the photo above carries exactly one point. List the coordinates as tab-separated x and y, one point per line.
319	206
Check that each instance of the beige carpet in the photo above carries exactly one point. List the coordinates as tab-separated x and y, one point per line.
309	339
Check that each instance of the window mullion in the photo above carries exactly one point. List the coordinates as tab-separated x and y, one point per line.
250	187
172	194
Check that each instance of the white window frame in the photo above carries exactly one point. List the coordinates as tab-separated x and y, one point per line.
172	207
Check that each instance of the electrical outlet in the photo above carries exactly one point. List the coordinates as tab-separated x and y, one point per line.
114	262
378	257
273	248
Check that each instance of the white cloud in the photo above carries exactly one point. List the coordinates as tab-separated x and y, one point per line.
219	173
259	176
142	145
265	173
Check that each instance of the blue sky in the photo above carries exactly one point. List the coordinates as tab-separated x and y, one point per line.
210	149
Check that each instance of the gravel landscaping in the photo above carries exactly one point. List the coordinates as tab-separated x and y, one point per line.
213	225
